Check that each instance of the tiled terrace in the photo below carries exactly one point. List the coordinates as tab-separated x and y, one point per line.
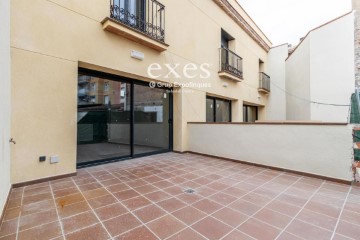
144	199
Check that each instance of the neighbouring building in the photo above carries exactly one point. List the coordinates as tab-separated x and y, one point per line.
356	8
314	80
320	74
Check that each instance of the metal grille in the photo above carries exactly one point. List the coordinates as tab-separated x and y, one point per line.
146	16
230	62
264	82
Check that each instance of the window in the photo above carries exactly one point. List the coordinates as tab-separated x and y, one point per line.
250	113
106	100
92	99
131	11
93	86
218	110
225	39
106	86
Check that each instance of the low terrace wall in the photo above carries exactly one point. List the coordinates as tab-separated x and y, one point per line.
323	149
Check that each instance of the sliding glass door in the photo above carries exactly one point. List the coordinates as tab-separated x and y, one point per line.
151	123
120	119
103	119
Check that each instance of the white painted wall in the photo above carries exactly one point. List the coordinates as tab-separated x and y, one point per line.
4	101
298	83
321	70
276	108
324	150
332	69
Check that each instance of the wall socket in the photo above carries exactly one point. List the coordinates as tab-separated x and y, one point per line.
42	158
54	159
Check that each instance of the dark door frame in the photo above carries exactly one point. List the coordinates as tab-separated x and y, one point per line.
132	82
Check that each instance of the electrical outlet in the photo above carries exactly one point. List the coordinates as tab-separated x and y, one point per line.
42	158
54	159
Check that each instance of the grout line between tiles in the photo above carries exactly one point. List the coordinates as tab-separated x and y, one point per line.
209	215
199	167
186	204
301	209
275	197
131	212
18	226
341	212
93	211
57	213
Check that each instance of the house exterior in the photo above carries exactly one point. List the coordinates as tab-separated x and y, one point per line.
80	78
89	82
315	81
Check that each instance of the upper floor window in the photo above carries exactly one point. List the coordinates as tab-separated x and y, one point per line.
218	110
147	16
106	86
230	62
93	86
130	11
225	39
106	99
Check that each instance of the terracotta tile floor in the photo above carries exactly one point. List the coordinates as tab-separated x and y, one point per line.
144	199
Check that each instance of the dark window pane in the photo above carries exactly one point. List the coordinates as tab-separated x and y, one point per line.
222	110
209	110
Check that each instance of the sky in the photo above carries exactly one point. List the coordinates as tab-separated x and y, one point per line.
286	21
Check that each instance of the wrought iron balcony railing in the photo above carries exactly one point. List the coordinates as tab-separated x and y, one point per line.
264	82
146	16
231	63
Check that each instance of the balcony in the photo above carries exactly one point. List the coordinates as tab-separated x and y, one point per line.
231	65
140	21
264	83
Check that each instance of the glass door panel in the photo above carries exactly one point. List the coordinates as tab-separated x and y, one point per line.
103	119
151	119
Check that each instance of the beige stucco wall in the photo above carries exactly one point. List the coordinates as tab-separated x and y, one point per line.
298	83
321	70
50	39
4	102
324	150
276	109
332	69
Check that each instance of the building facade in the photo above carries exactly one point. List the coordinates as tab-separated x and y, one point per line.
80	70
88	82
